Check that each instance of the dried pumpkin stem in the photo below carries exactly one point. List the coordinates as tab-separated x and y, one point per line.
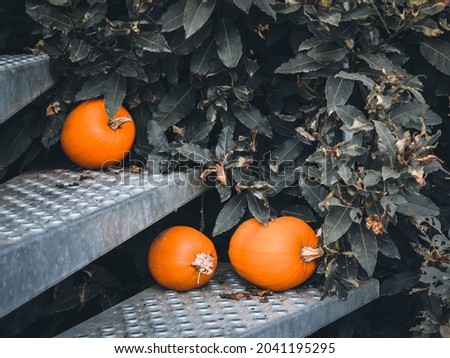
204	264
309	254
116	123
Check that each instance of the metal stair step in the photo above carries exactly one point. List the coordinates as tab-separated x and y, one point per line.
54	222
23	79
202	313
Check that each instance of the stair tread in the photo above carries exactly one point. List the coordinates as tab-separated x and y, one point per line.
23	79
54	222
201	313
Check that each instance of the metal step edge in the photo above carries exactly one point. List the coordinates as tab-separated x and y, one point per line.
54	222
23	78
201	313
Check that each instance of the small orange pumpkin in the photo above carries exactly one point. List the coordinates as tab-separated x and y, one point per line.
182	258
92	140
278	256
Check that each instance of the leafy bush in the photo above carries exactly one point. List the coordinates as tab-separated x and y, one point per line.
324	111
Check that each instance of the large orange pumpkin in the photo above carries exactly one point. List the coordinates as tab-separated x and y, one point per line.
278	256
182	258
92	140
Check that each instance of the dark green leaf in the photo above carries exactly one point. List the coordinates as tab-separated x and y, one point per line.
407	112
252	118
141	116
327	52
157	163
264	6
428	27
313	193
416	205
357	13
244	5
71	299
128	68
152	42
202	58
224	191
432	118
198	132
93	68
60	2
310	43
347	267
399	283
224	142
48	16
14	141
94	87
175	105
299	211
388	172
354	119
353	149
94	14
135	7
282	179
172	19
116	89
366	81
336	224
337	91
371	178
387	247
230	214
182	46
288	151
386	142
377	61
156	135
364	246
330	16
243	93
53	128
282	127
228	41
300	63
196	14
79	49
437	52
432	275
251	66
432	8
196	153
258	208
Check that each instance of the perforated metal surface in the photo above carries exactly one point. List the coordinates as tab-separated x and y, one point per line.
23	78
54	222
160	313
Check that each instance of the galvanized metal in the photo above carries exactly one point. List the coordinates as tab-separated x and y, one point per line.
160	313
23	78
54	222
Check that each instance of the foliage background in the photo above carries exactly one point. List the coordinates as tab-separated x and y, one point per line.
328	112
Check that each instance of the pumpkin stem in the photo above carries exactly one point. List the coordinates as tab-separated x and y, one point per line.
116	123
309	254
203	263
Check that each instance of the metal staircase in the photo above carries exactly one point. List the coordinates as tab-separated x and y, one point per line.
54	222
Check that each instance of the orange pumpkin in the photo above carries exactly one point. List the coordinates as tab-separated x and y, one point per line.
182	258
278	256
92	140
